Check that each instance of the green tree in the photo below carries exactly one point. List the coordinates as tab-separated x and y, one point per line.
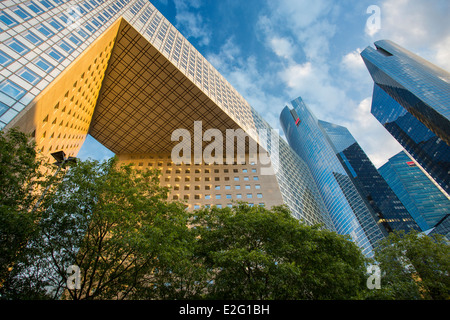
115	224
21	183
413	266
256	253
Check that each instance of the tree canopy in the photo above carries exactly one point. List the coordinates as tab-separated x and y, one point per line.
115	227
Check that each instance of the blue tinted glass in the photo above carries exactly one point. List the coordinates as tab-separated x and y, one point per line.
83	34
89	27
43	64
46	4
3	108
11	89
55	24
22	13
30	36
17	46
75	40
55	55
29	75
35	7
6	19
45	31
5	59
65	46
96	23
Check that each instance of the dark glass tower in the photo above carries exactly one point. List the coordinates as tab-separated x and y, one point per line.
424	201
349	211
411	99
389	210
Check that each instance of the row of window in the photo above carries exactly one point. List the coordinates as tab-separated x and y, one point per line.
217	196
253	170
188	179
229	205
228	187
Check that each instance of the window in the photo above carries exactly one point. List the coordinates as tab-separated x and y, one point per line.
236	178
227	187
75	40
247	186
6	19
254	170
44	30
237	187
208	196
249	196
239	196
244	170
28	75
34	7
46	4
82	33
55	55
255	178
3	108
257	186
17	46
259	195
12	89
21	13
5	59
30	36
55	24
66	47
246	179
218	196
196	206
217	187
228	196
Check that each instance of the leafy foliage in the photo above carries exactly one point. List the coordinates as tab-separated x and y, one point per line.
414	267
256	253
20	184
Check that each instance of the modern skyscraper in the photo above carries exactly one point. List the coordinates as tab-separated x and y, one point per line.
389	210
411	99
426	203
118	70
349	211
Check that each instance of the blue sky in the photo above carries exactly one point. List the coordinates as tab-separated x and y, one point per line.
275	51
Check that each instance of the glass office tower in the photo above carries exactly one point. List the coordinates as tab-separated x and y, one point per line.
349	211
426	203
389	210
121	72
411	99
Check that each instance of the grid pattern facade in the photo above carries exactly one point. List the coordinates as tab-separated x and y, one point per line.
425	202
206	185
44	38
411	99
347	208
389	210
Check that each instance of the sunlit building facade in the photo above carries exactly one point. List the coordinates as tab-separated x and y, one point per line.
411	99
121	72
389	210
350	212
423	199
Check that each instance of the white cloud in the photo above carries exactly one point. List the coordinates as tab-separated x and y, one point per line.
422	27
282	47
191	22
352	61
